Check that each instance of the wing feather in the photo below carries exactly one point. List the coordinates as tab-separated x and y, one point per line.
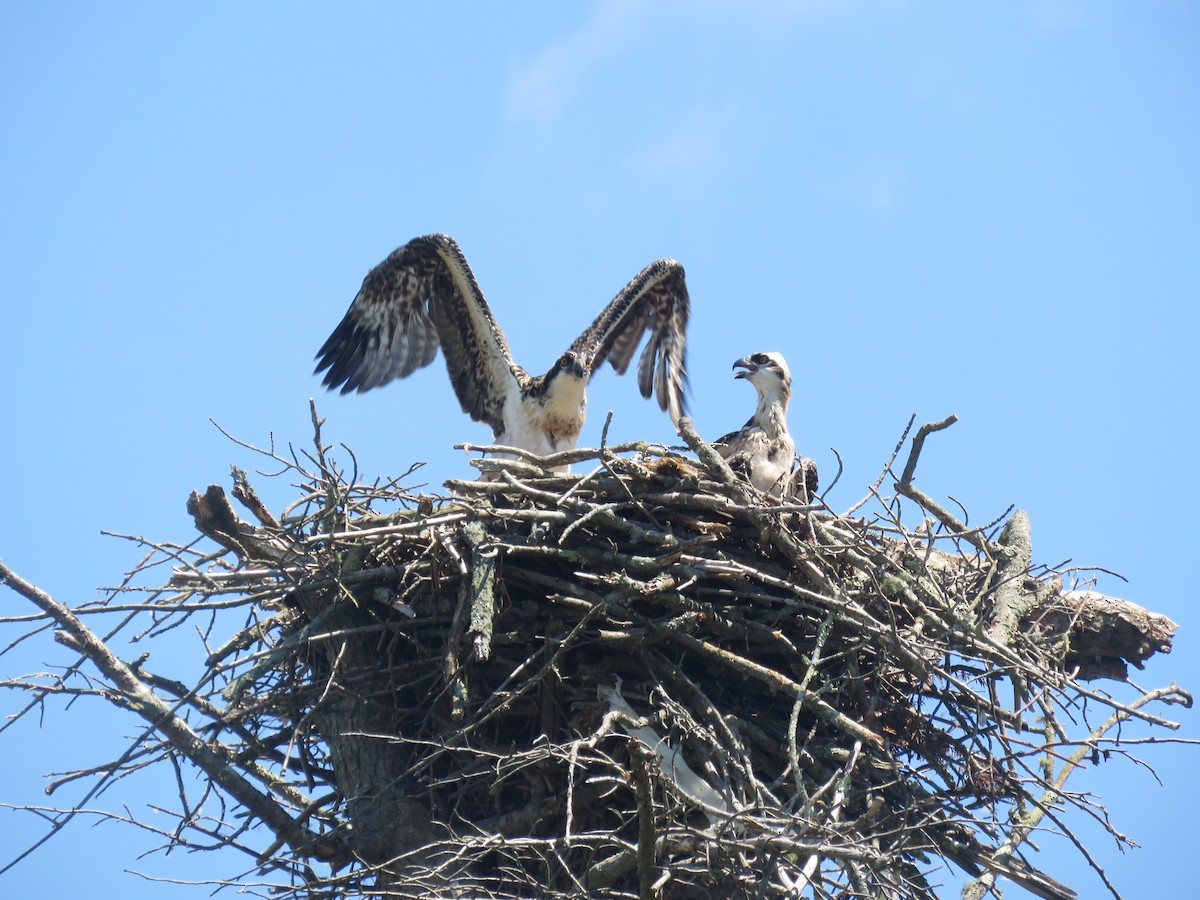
738	449
655	301
423	296
734	445
804	481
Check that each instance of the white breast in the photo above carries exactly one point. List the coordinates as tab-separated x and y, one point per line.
550	425
770	464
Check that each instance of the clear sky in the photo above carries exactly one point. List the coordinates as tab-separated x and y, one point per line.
987	208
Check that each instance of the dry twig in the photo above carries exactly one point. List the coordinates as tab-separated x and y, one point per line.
644	681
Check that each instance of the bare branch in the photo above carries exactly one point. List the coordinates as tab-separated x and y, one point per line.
403	695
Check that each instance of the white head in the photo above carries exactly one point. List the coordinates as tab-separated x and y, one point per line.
769	374
564	385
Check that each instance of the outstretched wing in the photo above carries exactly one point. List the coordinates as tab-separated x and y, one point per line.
656	301
422	296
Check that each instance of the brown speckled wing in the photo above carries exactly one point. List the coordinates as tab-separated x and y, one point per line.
422	296
655	303
804	482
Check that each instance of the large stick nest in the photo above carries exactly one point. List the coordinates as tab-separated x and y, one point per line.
643	679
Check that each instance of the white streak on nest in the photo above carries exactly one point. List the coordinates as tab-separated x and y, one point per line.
671	764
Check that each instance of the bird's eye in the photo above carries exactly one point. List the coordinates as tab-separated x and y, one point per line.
564	360
760	359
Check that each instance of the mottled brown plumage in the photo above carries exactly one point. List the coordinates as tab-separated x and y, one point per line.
763	449
424	295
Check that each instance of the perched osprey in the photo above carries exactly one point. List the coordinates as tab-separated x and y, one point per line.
424	296
763	450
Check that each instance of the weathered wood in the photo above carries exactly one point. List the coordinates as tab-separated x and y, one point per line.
1104	635
648	679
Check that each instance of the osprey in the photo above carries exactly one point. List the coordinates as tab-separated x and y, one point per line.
424	296
763	450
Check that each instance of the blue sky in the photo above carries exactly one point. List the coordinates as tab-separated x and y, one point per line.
991	209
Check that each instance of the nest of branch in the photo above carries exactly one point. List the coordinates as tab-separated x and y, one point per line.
644	679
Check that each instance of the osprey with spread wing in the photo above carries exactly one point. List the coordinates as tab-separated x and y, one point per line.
424	296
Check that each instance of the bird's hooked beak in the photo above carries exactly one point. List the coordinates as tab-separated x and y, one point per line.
745	363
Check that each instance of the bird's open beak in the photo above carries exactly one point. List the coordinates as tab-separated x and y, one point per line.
745	363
